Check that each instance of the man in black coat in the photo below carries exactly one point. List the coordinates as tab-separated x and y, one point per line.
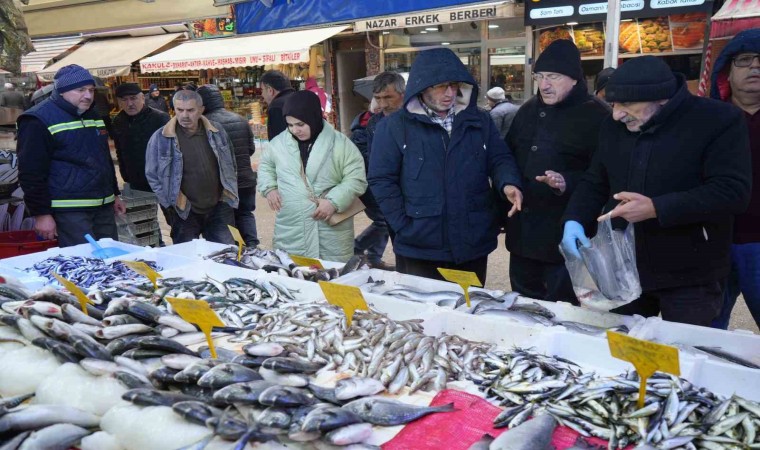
241	136
275	88
553	137
156	100
678	168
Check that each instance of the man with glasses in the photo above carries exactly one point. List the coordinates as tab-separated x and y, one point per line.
678	168
554	136
736	79
436	167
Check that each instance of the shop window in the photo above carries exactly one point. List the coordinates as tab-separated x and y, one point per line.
452	33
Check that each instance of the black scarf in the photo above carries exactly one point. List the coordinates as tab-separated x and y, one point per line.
306	107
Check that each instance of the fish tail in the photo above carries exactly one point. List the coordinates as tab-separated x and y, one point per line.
448	407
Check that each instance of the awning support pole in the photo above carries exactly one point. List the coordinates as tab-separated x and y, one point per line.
613	31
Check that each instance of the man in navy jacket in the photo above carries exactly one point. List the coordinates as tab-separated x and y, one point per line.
436	168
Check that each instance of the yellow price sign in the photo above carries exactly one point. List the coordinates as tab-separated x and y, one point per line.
308	262
145	270
647	357
463	279
349	298
238	238
71	287
199	313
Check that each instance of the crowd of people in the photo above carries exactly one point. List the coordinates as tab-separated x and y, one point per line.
439	176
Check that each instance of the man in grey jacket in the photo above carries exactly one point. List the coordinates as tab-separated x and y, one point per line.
502	110
190	165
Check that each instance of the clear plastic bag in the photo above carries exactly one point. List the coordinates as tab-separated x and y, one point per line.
606	277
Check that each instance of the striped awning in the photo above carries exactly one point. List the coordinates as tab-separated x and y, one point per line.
45	50
738	9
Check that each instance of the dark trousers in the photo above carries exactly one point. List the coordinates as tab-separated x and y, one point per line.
541	280
73	225
695	305
429	269
744	279
245	222
374	238
213	226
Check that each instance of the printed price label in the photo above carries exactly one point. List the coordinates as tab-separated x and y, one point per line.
145	270
463	279
349	298
71	287
308	262
239	239
647	357
198	312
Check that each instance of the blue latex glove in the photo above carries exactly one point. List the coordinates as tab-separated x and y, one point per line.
573	234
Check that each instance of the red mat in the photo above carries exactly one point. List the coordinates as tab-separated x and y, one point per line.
459	429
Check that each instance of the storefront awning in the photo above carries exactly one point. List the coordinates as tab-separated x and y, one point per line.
735	16
45	50
110	57
280	48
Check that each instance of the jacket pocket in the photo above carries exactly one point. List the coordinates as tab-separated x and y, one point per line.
413	163
481	218
426	227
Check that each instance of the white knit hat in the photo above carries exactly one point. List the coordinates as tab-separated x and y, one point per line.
496	94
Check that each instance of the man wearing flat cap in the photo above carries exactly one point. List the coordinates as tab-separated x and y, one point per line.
553	136
678	167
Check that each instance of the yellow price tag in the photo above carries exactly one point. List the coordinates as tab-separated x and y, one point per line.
145	270
647	357
239	239
71	287
349	298
463	279
199	313
308	262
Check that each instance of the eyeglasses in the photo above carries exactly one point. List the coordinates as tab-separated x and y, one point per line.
454	85
746	60
551	77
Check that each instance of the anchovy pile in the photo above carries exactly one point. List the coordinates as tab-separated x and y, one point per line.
279	262
86	272
676	414
397	353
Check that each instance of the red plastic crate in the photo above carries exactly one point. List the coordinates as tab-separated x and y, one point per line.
15	243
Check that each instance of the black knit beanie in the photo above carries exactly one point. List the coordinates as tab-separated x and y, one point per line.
642	79
561	56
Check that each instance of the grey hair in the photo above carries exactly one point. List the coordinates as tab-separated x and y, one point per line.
386	79
186	95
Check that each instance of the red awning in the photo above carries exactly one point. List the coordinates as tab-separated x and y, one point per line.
735	16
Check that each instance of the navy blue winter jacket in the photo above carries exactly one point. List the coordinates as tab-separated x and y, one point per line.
438	192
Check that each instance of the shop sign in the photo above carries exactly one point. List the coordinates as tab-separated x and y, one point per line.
439	17
554	12
291	57
213	27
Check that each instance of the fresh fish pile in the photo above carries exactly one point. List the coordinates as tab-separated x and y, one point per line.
278	261
86	272
676	413
397	353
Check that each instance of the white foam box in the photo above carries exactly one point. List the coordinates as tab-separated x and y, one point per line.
25	261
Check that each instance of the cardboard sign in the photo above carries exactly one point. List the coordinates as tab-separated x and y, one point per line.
349	298
647	357
463	279
198	312
308	262
239	239
71	287
145	270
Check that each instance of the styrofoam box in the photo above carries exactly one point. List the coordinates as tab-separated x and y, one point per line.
25	261
563	311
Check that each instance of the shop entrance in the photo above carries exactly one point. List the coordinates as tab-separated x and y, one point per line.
350	66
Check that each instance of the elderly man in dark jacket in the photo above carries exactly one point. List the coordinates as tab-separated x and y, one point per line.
553	136
241	136
736	79
678	168
432	167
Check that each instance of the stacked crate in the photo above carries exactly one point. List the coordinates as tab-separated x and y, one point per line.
141	218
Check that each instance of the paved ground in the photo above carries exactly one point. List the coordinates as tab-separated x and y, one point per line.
498	269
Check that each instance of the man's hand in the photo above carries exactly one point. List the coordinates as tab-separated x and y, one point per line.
274	200
44	226
554	180
514	195
633	207
119	207
324	210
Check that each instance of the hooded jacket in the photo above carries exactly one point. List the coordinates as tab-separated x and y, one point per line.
747	225
131	135
562	138
692	159
238	130
435	190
